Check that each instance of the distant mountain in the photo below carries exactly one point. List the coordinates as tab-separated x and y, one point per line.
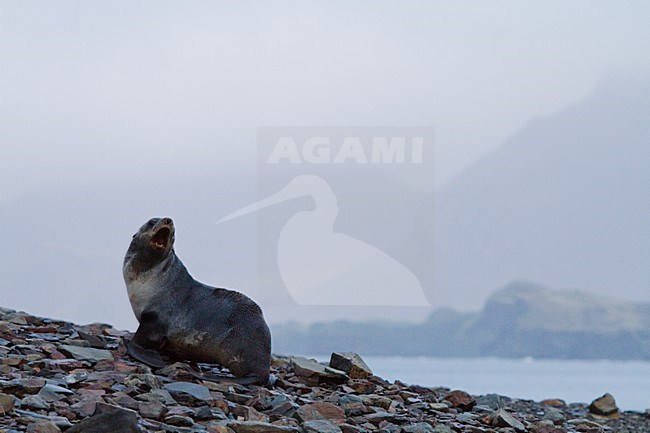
521	320
565	202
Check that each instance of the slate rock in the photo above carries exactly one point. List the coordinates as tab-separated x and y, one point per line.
351	364
151	409
604	406
461	400
86	406
260	427
315	373
504	419
320	426
555	416
43	427
7	403
34	402
197	391
321	411
86	353
108	419
22	387
59	421
421	427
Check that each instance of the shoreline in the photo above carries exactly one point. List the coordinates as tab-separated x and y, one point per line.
57	376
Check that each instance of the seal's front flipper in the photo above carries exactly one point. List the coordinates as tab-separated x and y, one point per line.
148	341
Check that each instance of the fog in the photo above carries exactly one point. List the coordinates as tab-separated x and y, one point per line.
115	90
159	94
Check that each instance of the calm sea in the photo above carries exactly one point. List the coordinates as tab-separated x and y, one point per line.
572	381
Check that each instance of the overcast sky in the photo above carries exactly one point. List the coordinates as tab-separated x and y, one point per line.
104	90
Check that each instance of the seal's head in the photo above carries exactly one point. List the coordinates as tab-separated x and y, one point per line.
152	244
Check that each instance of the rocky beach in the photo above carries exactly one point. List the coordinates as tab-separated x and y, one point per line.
56	376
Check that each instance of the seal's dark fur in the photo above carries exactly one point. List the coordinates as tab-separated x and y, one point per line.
186	319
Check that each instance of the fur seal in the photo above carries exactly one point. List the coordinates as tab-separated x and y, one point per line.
186	319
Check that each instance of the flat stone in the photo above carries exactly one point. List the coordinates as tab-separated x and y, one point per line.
108	419
22	387
151	409
503	419
216	428
604	406
199	392
351	364
86	406
320	426
34	402
377	400
421	427
249	414
461	400
321	411
7	403
315	373
260	427
59	421
43	427
86	353
555	416
179	420
439	407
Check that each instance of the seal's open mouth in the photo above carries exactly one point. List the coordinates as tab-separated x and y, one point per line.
161	238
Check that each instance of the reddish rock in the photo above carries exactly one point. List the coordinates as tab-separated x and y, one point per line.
461	400
321	411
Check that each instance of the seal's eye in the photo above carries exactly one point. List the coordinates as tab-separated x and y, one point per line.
133	237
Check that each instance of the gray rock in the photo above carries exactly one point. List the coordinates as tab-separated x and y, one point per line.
179	420
259	427
604	406
161	395
108	419
43	427
314	373
504	419
321	410
59	421
493	401
199	392
151	409
555	416
22	387
86	353
441	428
421	427
351	364
581	422
320	426
34	402
439	407
7	403
376	400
